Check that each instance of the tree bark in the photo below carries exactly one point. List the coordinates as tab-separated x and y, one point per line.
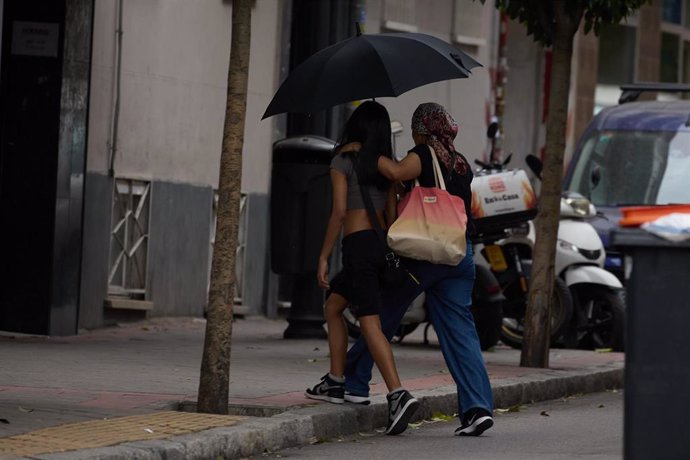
215	365
535	349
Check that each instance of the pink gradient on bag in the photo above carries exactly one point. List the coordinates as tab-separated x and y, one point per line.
432	205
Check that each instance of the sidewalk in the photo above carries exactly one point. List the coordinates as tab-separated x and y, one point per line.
117	393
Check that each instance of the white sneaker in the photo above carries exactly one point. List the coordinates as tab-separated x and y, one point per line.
356	399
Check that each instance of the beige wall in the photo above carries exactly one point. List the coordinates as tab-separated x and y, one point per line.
524	131
174	68
466	99
174	71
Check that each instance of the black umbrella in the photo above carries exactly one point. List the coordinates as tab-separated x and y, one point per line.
368	66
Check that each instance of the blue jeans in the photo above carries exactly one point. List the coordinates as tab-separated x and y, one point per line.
448	298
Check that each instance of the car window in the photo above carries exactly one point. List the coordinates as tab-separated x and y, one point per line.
617	168
674	183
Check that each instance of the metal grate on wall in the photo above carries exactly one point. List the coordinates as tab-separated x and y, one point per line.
129	237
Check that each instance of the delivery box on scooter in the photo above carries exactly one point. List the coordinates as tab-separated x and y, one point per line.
502	200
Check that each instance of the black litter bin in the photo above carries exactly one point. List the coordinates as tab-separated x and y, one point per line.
300	207
657	370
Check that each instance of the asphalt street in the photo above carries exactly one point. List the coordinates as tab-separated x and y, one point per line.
584	426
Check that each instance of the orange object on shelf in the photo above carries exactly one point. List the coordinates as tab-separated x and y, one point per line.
634	216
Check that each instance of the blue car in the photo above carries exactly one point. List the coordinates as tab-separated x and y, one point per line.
633	154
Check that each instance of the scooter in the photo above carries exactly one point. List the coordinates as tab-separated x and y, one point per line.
487	302
598	296
504	244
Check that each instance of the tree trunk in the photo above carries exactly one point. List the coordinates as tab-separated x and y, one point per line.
215	365
535	348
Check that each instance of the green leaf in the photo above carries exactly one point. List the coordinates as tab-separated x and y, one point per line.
603	350
441	417
542	22
515	408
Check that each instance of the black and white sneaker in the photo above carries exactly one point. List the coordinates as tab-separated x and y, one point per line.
327	390
476	421
357	399
401	406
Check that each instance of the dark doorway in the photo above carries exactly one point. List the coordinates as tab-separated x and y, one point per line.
41	172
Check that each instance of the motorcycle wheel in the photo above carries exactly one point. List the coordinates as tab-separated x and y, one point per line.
487	320
601	315
513	329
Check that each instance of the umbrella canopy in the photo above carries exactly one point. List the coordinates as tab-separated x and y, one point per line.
368	66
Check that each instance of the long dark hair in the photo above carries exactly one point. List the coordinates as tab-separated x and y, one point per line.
370	125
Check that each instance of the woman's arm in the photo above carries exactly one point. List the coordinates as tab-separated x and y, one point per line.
335	224
392	205
409	168
349	147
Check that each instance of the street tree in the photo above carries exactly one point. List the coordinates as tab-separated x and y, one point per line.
553	23
215	365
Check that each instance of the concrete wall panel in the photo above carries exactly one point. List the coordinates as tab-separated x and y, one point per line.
178	257
95	249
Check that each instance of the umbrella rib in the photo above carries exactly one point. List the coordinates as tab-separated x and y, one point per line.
383	65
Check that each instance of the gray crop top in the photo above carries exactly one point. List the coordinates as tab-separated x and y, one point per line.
343	163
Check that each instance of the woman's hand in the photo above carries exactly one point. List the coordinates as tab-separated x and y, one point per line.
408	168
322	273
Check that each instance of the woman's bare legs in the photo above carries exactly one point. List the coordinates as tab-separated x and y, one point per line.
337	333
378	344
380	349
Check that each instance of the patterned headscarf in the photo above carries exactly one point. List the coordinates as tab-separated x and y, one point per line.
434	121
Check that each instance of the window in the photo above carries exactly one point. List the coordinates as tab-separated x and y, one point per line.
617	47
686	62
617	54
675	42
671	11
634	168
670	48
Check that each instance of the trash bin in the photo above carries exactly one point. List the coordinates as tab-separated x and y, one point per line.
657	376
300	208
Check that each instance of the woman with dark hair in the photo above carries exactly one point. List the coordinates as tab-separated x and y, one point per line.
367	138
448	288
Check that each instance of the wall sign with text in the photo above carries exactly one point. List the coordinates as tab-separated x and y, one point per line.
35	38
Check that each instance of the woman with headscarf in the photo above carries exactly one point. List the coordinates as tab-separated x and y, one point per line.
448	288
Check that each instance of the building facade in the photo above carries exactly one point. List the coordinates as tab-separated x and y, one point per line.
112	120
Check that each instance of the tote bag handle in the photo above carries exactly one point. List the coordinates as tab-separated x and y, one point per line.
438	175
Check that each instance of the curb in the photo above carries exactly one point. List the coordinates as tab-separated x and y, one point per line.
302	426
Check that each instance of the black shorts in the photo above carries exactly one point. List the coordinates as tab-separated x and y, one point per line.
360	279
